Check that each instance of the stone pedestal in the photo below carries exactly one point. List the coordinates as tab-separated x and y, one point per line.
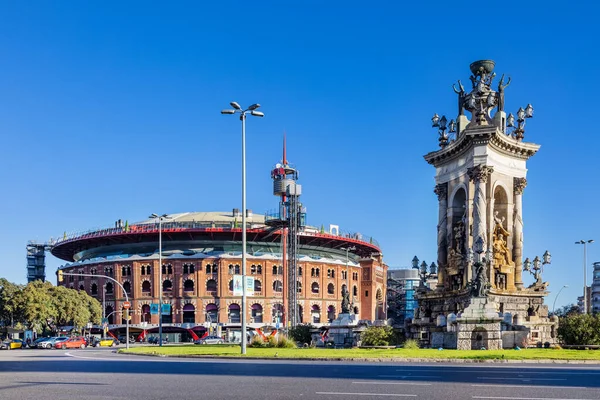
341	330
479	326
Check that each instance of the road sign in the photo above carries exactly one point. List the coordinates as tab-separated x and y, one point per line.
126	305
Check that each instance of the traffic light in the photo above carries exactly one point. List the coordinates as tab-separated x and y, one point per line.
60	275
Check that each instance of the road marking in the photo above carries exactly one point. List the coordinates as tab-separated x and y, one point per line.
408	376
394	383
523	398
532	386
511	372
521	379
366	394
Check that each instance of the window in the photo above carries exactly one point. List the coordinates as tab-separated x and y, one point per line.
274	269
253	269
355	291
278	286
211	285
312	272
299	271
317	271
257	286
146	287
109	288
314	287
127	287
237	269
366	293
259	270
94	288
167	286
299	287
230	269
188	286
330	289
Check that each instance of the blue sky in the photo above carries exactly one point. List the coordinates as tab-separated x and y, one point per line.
112	110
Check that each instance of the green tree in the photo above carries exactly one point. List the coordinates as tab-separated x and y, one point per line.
11	303
579	329
301	333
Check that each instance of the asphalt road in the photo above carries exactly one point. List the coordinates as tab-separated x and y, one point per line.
103	374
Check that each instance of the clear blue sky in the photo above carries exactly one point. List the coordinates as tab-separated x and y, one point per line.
112	110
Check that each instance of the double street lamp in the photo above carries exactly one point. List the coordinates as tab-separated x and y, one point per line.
237	109
585	243
160	283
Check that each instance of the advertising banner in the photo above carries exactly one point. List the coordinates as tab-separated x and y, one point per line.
166	309
154	308
237	285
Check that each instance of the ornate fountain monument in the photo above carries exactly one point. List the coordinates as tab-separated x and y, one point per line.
480	300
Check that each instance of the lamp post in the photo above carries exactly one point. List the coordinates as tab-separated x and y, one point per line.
557	294
160	288
237	109
522	114
442	124
585	243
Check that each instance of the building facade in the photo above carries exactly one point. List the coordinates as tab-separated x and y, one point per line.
595	290
402	283
201	254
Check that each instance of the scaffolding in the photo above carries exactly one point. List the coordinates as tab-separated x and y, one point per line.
36	261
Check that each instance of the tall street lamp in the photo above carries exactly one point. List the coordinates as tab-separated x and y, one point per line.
237	109
160	284
585	243
557	294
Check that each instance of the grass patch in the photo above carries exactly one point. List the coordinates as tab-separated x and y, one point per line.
313	353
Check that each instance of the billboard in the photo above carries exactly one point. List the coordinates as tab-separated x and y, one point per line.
237	285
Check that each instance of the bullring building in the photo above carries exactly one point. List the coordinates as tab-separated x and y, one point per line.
201	254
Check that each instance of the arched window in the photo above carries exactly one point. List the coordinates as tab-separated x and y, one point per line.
316	314
230	269
312	272
188	286
192	268
212	313
253	269
167	286
231	285
299	287
211	285
331	313
259	269
143	270
123	271
94	288
164	269
300	314
148	270
257	313
146	287
274	269
81	287
169	269
299	271
257	286
277	286
109	288
237	269
330	289
129	271
355	291
234	313
317	271
208	268
185	268
146	313
314	287
189	314
127	287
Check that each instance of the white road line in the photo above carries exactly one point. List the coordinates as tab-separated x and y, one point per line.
393	383
532	386
512	372
366	394
520	379
408	376
524	398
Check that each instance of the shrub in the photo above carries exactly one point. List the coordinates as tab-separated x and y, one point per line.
301	333
411	344
377	336
285	343
257	342
579	329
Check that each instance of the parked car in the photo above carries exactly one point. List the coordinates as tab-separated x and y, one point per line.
155	340
109	342
11	344
210	340
51	341
36	343
71	343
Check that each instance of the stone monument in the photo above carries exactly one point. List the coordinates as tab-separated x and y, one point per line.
480	177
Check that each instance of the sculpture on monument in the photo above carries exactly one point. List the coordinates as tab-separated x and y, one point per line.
345	300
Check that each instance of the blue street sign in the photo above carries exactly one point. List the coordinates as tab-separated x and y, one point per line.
166	309
154	308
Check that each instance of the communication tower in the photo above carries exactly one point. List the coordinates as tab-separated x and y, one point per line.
289	219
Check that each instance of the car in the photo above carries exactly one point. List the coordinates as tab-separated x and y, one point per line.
155	340
108	342
51	341
11	344
36	343
210	340
71	343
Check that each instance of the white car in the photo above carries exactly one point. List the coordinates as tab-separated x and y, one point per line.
50	343
210	340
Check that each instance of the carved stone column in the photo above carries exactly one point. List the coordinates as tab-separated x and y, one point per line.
442	231
519	186
479	175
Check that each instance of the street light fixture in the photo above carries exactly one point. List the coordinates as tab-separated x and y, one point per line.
442	124
160	283
522	114
585	243
238	110
554	303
